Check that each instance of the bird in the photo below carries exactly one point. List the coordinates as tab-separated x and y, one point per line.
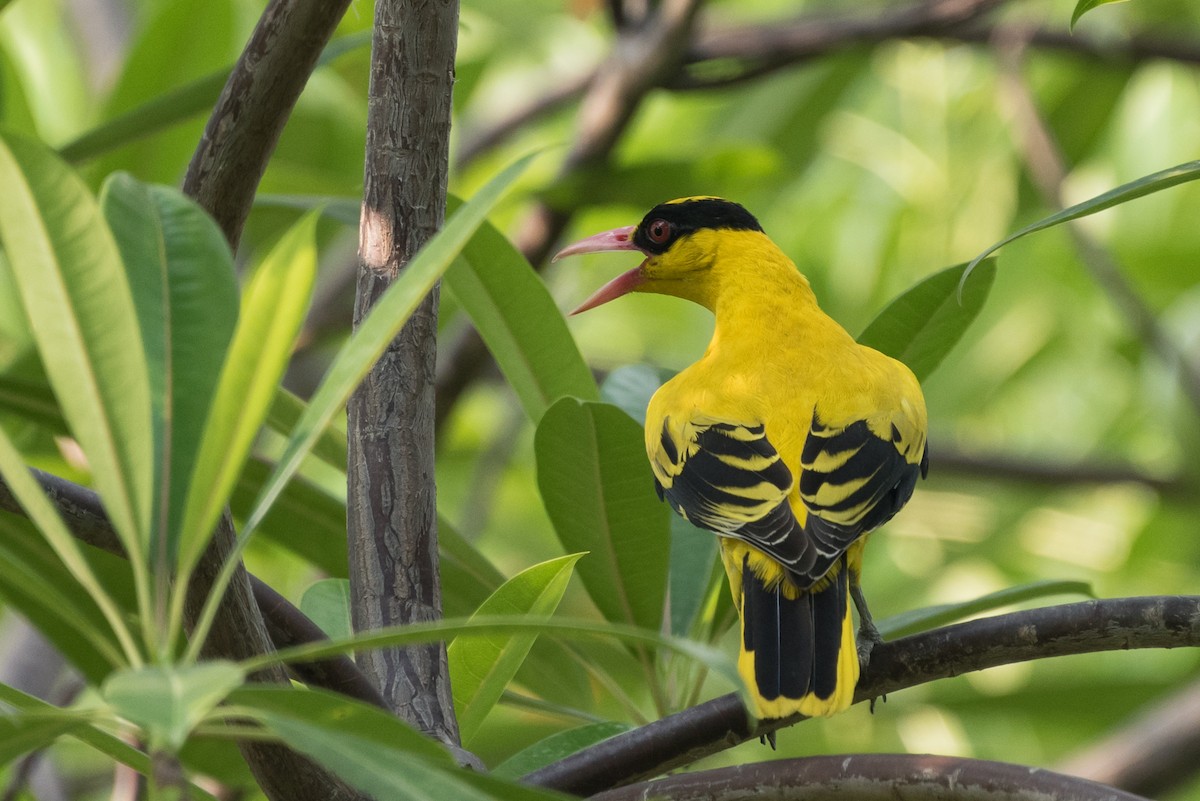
787	439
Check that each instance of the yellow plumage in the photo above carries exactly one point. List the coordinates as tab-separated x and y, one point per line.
787	438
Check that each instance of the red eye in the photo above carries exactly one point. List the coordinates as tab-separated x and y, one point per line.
659	231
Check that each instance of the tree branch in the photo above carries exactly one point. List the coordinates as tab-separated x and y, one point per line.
871	777
254	106
1087	627
84	515
643	57
1155	753
392	515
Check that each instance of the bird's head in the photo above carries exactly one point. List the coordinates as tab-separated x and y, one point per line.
684	242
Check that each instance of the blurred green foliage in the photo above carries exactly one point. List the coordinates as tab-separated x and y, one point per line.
873	167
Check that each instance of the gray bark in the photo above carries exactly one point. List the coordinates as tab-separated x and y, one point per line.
392	511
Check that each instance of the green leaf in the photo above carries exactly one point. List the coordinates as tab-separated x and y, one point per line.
468	578
174	106
693	553
519	321
921	326
370	749
387	317
74	290
305	518
391	310
107	744
557	746
482	667
630	387
1084	6
32	399
596	485
273	308
35	582
931	617
1146	185
286	411
718	661
168	701
182	277
327	603
20	734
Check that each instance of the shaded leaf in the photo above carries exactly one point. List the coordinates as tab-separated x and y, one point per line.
597	487
327	603
372	750
931	617
693	554
482	667
557	746
519	322
20	734
921	326
630	387
168	701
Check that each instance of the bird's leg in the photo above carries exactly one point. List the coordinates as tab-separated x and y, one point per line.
868	635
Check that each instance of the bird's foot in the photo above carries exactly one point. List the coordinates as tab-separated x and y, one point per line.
868	638
882	698
768	739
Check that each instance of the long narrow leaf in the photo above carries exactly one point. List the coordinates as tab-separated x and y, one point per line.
73	287
1146	185
482	667
182	276
372	750
273	309
353	362
380	327
930	617
43	514
717	661
596	486
519	322
173	107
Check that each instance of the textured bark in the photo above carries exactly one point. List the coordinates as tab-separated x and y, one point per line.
391	513
238	632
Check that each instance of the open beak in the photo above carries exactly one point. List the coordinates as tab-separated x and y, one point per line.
623	284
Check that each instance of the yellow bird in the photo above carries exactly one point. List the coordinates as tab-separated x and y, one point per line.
787	439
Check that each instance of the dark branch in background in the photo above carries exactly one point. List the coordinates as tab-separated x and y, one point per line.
1088	627
872	777
740	48
254	106
950	462
1156	752
222	177
1046	166
84	515
643	58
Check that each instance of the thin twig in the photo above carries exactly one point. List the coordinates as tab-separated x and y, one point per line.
1087	627
84	515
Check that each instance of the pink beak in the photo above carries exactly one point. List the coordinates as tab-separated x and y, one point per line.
623	284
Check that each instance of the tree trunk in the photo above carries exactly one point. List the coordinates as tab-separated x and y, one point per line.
392	511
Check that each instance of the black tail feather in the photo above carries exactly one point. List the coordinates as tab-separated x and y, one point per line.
795	641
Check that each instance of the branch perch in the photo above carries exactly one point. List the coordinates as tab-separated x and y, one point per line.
1087	627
